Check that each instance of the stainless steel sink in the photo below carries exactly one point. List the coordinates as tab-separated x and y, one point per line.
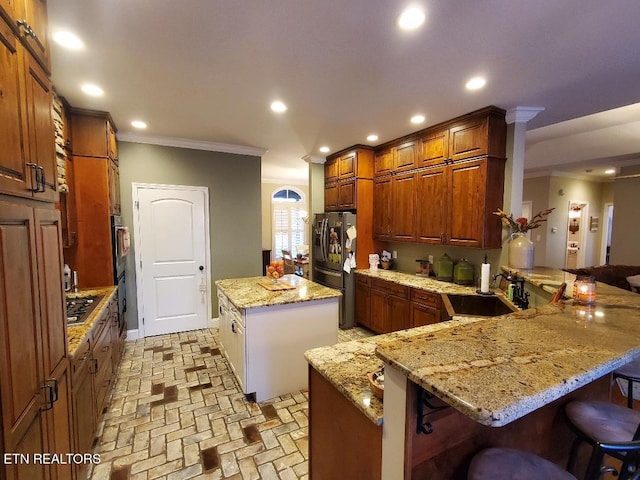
476	305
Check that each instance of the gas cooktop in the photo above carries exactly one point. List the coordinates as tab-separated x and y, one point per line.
78	309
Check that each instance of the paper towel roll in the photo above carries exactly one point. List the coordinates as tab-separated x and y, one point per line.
484	278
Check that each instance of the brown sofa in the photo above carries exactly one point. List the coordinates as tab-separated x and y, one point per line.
615	275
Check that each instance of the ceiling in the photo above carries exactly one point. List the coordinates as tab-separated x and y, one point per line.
205	72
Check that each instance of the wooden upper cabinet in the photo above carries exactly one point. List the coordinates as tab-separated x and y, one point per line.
93	134
331	196
435	148
383	162
405	156
382	208
15	174
27	156
347	194
432	198
468	139
402	208
331	172
31	18
41	130
348	165
8	11
114	187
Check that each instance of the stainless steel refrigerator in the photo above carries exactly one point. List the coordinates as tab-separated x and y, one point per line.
331	248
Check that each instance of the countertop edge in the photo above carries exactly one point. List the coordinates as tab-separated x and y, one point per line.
81	331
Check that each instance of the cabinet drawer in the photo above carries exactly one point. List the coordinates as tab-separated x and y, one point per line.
80	359
363	280
426	298
390	288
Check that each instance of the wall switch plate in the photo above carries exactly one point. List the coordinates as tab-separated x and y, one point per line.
394	254
431	259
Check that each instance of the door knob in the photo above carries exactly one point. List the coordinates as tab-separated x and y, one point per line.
201	268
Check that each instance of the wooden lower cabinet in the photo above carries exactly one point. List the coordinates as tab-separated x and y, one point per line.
383	306
33	366
343	443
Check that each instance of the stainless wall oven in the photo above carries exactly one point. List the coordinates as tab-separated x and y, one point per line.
119	250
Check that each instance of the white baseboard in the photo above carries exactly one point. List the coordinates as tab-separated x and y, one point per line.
134	334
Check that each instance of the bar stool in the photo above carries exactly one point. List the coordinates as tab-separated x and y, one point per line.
510	464
631	373
610	429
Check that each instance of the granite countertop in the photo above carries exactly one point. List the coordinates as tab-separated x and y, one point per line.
246	293
546	278
416	281
347	364
77	333
538	355
500	369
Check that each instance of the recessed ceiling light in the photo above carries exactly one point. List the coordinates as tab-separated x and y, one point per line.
411	18
68	40
93	90
138	124
372	138
417	119
610	171
324	149
476	83
278	106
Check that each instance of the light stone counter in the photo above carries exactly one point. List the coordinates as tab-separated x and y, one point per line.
246	293
500	369
415	281
77	333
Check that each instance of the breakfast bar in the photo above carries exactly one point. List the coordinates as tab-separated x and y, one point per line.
458	386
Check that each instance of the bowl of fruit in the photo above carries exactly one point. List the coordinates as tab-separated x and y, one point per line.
275	270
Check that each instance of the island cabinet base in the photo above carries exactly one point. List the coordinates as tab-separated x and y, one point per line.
446	452
343	443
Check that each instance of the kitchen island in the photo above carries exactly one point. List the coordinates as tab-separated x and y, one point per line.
264	330
499	381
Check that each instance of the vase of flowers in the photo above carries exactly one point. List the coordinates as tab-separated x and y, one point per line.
521	249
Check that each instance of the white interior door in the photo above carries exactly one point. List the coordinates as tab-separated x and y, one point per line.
171	258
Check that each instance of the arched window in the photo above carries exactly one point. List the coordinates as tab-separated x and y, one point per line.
289	212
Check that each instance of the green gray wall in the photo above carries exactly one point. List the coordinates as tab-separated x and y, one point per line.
625	236
234	206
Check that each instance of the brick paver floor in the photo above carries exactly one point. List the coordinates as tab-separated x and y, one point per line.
176	413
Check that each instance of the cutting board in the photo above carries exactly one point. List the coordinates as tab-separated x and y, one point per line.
274	287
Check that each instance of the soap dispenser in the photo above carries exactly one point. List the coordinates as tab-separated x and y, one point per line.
444	268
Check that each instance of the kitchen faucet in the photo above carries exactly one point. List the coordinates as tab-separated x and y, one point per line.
520	297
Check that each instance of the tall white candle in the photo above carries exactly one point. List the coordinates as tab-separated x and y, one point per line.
484	278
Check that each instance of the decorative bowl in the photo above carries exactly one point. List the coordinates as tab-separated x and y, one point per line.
376	383
386	265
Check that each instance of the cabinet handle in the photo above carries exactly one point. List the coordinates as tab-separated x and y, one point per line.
41	186
55	389
233	327
28	32
34	168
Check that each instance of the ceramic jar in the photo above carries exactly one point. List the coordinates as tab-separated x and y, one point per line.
444	268
463	273
521	252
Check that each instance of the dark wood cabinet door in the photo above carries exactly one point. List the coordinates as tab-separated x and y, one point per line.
59	426
403	207
331	171
112	141
34	13
41	129
21	355
433	198
383	162
405	156
398	312
423	315
362	304
468	139
331	196
114	187
52	302
382	208
84	409
347	194
435	148
379	312
348	165
8	10
467	219
15	175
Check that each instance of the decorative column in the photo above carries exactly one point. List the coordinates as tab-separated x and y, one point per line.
316	195
518	116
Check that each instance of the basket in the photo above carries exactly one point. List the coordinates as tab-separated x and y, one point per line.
376	388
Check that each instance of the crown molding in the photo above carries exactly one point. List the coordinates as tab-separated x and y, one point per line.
312	159
192	144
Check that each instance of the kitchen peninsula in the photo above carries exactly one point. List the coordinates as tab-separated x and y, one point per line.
266	327
455	387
